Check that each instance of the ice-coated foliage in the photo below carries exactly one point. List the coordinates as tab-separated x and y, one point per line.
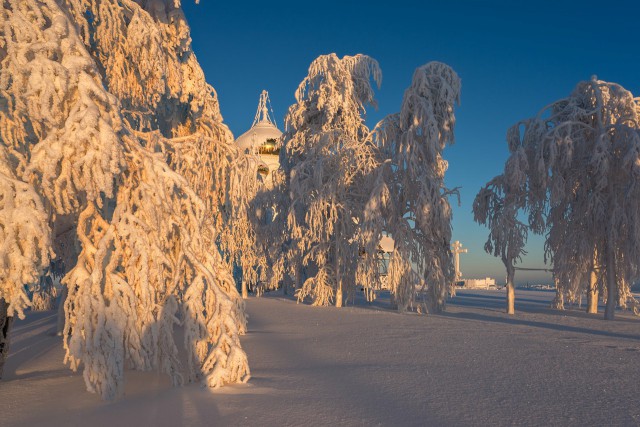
574	169
268	208
56	114
158	274
165	98
409	200
145	50
326	158
25	245
107	123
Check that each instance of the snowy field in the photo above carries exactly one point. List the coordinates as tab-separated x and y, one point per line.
364	365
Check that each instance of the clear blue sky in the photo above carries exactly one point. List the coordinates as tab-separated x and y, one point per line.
513	59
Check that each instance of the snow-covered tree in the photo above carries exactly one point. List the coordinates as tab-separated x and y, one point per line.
24	236
25	246
107	122
163	90
326	156
409	200
240	243
270	207
496	206
578	162
158	273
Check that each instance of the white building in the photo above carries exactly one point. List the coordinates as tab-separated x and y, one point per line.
263	140
486	283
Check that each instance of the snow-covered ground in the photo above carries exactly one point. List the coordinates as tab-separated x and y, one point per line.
364	365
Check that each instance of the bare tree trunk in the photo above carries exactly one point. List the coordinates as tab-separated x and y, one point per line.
592	293
610	309
621	293
511	298
511	293
339	293
339	296
297	284
436	298
336	262
558	301
61	317
5	329
245	292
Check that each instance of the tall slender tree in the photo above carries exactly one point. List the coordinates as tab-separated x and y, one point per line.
409	200
496	206
327	153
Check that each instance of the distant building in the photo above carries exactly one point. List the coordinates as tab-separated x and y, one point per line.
486	283
263	140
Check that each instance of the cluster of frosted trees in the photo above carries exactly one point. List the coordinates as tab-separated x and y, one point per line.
114	158
341	187
114	162
574	173
118	176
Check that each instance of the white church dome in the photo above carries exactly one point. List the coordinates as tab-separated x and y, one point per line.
264	135
258	135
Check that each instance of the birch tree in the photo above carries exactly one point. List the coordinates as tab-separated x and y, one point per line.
496	206
105	119
409	200
326	156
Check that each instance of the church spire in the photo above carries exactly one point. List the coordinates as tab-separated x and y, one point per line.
262	115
